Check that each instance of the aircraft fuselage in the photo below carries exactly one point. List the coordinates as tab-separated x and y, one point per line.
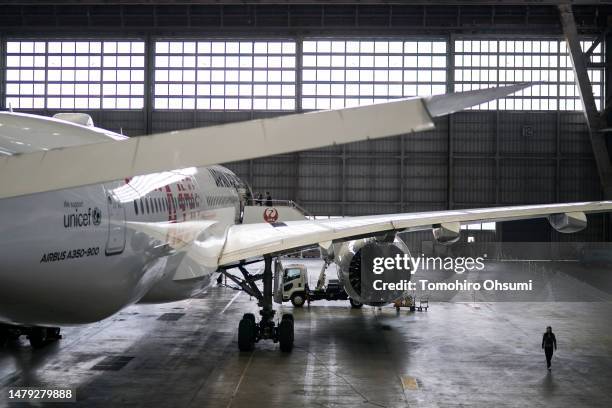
73	256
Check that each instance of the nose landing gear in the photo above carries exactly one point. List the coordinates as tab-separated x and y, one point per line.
41	336
38	336
249	331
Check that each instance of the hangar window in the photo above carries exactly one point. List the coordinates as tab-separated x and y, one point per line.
349	73
75	74
225	75
484	226
487	63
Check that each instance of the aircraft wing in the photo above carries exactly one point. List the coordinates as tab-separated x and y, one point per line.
253	240
68	167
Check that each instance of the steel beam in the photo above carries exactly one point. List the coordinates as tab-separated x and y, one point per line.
319	18
402	173
594	120
2	71
450	88
148	84
580	66
608	73
312	2
343	180
299	44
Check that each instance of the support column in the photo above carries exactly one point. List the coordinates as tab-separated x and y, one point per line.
2	71
299	46
497	159
149	83
607	58
594	120
402	180
450	87
343	180
299	42
450	186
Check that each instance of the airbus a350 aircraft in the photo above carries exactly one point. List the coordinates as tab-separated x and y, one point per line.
92	222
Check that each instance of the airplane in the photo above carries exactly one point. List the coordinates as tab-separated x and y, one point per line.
92	222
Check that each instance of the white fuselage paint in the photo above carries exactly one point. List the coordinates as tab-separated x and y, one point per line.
72	256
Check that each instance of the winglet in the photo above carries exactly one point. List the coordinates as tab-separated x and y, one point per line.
440	105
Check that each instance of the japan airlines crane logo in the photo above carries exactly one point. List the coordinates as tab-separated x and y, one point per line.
270	215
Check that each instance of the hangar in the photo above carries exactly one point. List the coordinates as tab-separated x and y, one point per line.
138	68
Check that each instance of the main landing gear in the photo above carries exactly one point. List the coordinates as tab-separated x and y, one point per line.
249	330
38	336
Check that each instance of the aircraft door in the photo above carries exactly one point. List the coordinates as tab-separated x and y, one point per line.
115	243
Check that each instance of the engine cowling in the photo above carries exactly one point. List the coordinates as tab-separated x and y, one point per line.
447	233
568	223
349	256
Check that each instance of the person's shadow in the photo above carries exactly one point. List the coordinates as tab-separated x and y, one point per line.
548	385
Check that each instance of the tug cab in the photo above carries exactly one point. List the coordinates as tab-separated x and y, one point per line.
291	284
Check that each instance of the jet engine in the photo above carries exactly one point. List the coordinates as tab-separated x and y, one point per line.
349	256
568	223
447	233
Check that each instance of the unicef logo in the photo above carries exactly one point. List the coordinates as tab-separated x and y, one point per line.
96	216
81	218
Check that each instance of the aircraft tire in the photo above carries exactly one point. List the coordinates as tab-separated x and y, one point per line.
285	335
249	316
246	334
38	337
355	304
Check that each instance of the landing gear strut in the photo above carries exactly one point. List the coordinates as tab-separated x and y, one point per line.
249	331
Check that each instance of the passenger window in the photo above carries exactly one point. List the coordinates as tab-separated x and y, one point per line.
291	274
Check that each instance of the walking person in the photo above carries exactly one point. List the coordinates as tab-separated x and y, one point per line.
269	202
259	199
548	342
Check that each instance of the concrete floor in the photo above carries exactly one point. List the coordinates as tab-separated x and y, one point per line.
482	354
